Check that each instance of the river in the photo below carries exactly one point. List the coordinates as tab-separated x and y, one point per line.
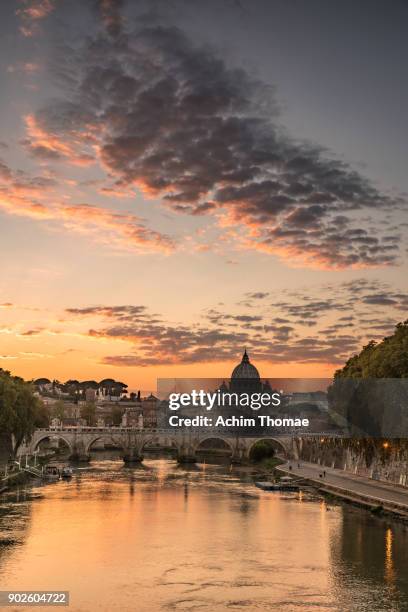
161	537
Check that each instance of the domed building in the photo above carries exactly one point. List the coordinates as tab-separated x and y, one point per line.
245	369
245	378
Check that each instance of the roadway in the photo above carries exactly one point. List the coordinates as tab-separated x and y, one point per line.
382	492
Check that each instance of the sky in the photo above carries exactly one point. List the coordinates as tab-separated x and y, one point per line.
180	180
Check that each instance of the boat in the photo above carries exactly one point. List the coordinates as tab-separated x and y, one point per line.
277	486
66	473
51	472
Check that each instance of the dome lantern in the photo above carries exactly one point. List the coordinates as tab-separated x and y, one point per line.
245	369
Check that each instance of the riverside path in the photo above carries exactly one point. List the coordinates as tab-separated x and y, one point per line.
365	491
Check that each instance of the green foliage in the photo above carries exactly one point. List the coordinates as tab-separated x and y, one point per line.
20	411
262	450
270	463
387	359
116	415
58	410
370	391
88	412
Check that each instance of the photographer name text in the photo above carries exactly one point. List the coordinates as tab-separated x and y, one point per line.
237	421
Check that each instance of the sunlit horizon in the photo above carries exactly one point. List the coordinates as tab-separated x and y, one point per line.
174	189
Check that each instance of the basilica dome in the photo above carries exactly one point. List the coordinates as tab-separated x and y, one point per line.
245	369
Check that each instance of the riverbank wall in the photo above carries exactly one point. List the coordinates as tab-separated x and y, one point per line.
386	461
14	479
378	505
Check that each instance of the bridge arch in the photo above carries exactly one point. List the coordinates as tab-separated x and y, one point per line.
47	436
92	441
278	446
227	442
155	440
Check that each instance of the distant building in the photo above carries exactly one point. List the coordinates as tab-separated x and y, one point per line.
141	412
245	379
90	395
149	407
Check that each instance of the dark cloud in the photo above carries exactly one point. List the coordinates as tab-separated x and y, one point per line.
281	332
174	120
220	333
387	298
258	295
246	318
5	172
380	299
306	310
110	13
119	312
32	332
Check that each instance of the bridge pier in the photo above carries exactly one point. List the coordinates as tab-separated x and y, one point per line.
240	452
132	455
238	457
186	454
79	457
186	458
79	451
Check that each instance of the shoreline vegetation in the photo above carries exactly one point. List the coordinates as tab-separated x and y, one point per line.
21	412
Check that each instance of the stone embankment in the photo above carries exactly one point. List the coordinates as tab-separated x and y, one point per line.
380	460
378	496
13	479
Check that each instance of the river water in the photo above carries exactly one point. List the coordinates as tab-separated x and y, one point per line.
161	537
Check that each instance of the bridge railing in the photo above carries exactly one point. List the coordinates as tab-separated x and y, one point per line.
196	430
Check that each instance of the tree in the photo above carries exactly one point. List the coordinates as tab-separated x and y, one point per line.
58	410
88	412
371	391
387	359
21	412
116	415
262	450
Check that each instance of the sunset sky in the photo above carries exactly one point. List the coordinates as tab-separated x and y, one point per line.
183	179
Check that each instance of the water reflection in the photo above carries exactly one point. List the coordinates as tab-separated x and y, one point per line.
161	537
369	555
389	564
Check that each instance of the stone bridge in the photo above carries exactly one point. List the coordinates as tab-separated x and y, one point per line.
133	442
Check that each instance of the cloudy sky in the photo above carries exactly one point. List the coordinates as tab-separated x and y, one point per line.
182	179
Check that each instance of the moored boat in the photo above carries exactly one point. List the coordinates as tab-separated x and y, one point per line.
51	472
277	486
66	473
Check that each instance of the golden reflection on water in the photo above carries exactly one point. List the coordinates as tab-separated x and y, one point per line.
389	564
165	538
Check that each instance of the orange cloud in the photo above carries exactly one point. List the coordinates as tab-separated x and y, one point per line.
306	328
35	197
31	12
123	231
46	145
25	67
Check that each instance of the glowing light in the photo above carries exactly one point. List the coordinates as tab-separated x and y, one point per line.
389	564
